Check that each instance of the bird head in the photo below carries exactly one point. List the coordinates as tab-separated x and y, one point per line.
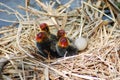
41	36
63	42
61	33
44	27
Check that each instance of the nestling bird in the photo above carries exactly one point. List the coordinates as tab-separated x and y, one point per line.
65	48
44	27
43	44
51	38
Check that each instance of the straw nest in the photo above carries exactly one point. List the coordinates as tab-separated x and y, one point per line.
100	60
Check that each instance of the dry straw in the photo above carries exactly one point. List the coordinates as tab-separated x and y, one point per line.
99	61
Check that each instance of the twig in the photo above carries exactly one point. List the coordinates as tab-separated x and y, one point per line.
55	70
65	58
99	11
81	26
64	21
9	21
49	12
64	6
82	76
18	41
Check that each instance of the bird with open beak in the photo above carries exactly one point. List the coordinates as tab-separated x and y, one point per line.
50	41
64	45
43	44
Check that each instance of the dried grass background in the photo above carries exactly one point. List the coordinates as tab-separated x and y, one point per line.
99	61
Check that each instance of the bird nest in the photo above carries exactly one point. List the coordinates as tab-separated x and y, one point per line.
99	61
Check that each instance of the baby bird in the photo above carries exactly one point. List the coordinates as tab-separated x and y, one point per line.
44	27
52	39
43	44
65	48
